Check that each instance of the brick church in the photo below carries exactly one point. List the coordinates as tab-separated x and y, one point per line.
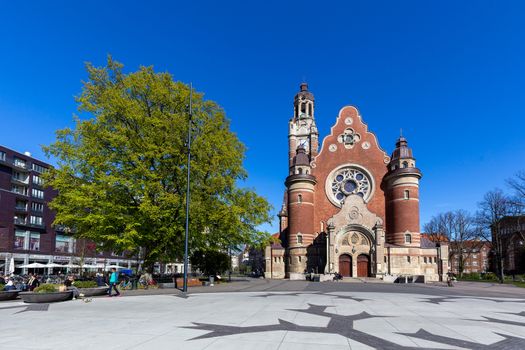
348	206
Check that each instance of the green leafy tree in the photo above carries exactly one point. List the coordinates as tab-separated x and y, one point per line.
210	262
121	174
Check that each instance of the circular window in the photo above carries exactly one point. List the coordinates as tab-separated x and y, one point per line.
348	180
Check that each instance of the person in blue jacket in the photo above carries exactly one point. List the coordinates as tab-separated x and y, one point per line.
113	281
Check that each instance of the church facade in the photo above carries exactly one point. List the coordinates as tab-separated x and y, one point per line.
348	206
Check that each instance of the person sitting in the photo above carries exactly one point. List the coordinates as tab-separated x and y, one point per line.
100	280
69	285
33	282
9	286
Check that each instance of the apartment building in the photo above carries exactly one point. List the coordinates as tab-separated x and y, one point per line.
27	233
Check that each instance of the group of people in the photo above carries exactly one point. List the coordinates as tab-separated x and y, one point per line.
9	283
33	281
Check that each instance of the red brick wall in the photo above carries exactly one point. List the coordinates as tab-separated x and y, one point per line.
402	215
373	159
300	217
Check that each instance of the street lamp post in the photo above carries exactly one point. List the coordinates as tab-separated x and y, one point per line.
185	285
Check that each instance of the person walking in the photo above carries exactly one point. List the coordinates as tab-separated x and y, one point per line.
113	281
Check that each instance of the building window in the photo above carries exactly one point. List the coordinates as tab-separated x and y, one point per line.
299	258
405	164
36	220
299	198
425	259
38	207
385	259
408	238
38	180
299	239
21	241
435	260
18	176
20	205
64	244
34	241
38	168
27	240
2	155
408	259
37	193
407	194
19	162
19	189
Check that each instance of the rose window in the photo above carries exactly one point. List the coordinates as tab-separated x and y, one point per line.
348	181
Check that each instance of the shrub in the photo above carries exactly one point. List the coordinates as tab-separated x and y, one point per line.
85	284
471	276
490	276
46	288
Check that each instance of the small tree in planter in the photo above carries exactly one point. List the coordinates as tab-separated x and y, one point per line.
46	288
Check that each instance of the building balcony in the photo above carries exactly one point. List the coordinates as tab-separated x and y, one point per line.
20	193
20	181
35	225
19	221
20	166
21	208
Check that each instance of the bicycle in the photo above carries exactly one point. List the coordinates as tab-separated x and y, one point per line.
125	285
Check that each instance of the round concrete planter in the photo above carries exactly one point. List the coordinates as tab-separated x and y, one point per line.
10	295
93	292
31	297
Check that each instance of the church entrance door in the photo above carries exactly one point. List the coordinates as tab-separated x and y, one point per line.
345	265
363	263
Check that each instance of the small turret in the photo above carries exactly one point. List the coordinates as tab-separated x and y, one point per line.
401	185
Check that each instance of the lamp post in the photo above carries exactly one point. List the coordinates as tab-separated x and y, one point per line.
185	285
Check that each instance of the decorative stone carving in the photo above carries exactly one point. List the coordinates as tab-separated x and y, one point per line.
349	121
354	211
355	238
332	147
365	145
349	138
345	241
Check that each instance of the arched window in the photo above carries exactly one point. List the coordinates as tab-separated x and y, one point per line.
310	109
405	164
300	171
299	198
303	107
408	238
408	259
407	194
299	239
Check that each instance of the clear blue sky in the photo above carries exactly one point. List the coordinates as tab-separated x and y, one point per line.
450	73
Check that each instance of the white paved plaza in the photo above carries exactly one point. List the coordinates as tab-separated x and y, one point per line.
267	320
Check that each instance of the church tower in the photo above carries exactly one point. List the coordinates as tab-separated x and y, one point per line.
401	185
302	129
303	146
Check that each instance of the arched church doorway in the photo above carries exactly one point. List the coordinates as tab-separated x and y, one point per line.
363	265
345	265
